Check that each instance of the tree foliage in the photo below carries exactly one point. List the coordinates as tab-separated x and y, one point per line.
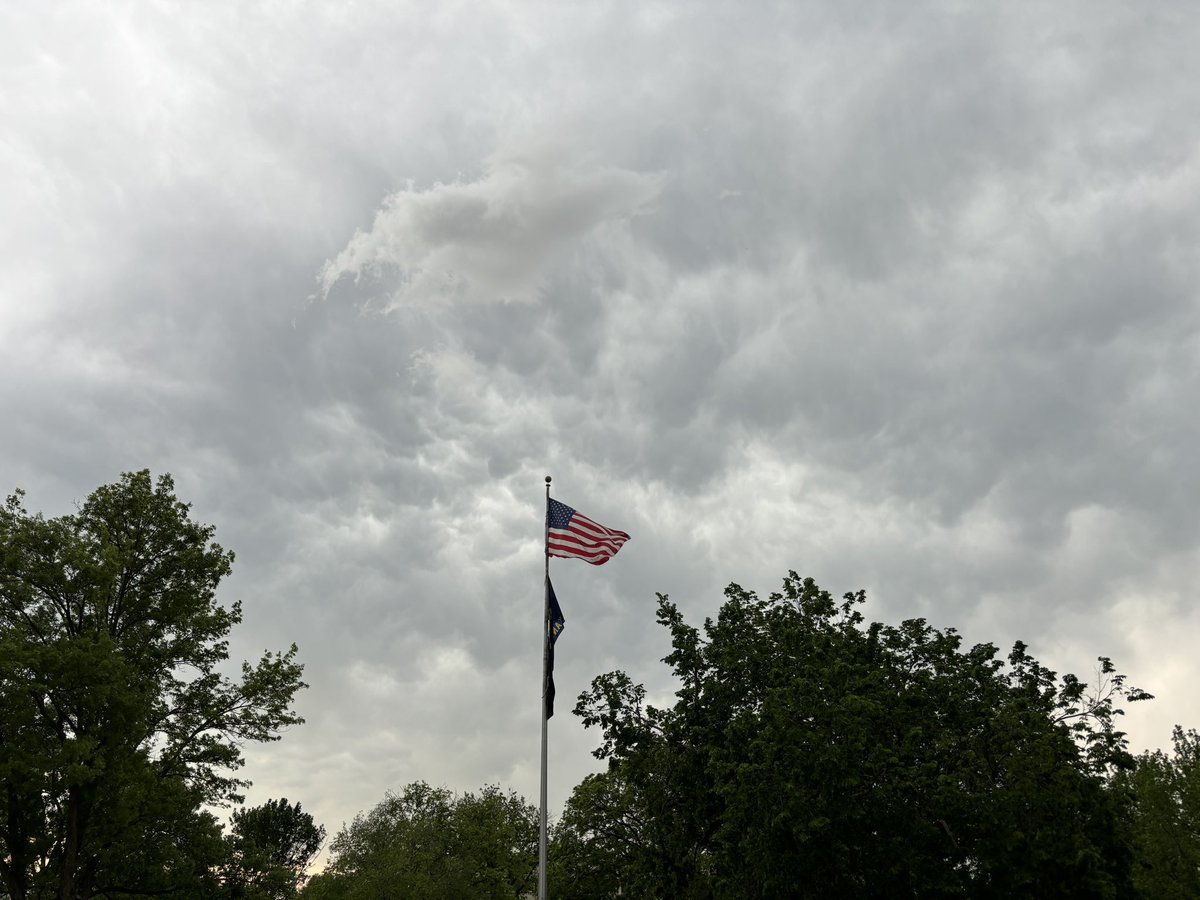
597	850
1166	819
811	754
272	846
117	722
426	843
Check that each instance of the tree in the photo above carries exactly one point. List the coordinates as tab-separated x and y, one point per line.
596	847
1166	819
116	721
426	843
272	847
811	754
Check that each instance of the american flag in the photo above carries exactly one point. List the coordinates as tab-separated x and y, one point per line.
577	537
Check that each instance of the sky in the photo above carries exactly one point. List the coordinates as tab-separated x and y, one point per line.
902	297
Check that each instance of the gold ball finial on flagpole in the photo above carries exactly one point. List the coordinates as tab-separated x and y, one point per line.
547	479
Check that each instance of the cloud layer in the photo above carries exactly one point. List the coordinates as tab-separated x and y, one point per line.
900	297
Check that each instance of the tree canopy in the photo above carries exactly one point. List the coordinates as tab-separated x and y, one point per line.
427	843
812	754
1165	821
272	846
117	723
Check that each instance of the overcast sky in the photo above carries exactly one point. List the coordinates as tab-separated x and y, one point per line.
901	296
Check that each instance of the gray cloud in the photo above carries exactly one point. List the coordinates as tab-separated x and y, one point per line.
490	239
901	297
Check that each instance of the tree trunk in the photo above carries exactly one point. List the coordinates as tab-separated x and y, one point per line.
79	808
15	870
14	881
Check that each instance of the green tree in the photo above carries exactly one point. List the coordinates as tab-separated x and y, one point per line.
426	843
810	754
272	846
598	844
1166	819
117	723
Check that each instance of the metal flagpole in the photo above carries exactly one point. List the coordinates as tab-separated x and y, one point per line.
545	722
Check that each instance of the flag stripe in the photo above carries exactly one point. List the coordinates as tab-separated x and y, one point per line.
574	542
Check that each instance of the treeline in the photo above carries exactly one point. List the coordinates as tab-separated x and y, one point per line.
812	754
808	753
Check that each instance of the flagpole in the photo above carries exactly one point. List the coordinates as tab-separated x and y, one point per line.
545	722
